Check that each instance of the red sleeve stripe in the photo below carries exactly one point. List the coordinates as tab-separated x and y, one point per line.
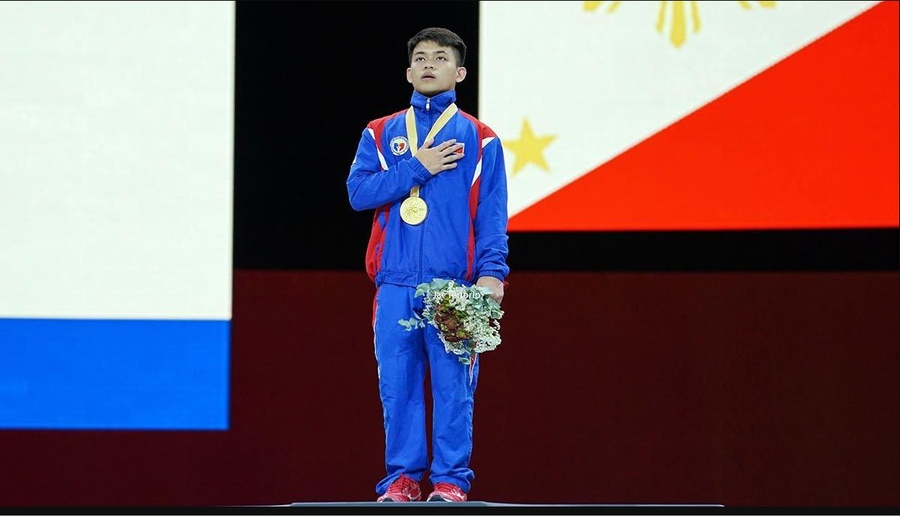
485	135
375	248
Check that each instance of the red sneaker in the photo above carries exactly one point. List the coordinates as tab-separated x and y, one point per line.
447	492
402	490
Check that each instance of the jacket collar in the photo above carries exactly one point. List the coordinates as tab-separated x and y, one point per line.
438	103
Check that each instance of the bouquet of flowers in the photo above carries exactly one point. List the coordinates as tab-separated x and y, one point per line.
467	318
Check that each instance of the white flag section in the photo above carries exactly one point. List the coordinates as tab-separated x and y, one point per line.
116	186
568	86
116	124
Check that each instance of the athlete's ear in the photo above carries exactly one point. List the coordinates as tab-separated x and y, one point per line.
460	73
409	75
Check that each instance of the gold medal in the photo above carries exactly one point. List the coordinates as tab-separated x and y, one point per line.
413	210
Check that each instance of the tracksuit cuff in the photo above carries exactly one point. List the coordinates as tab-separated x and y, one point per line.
420	173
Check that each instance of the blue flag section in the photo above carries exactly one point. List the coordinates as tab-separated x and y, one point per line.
114	374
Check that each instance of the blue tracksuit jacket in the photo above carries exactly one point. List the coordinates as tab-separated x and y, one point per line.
464	235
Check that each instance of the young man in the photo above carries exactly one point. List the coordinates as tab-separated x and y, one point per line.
435	177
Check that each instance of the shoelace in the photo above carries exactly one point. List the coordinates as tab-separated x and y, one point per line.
404	484
442	486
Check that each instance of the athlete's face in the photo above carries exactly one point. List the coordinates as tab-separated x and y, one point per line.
433	69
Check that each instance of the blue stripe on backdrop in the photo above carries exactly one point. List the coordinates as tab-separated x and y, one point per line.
114	374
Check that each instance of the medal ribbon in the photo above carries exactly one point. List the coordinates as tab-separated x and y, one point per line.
413	135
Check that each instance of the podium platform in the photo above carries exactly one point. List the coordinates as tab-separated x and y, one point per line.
489	503
498	507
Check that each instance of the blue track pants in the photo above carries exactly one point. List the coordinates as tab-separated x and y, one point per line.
404	357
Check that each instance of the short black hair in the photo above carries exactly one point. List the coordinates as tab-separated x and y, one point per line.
441	36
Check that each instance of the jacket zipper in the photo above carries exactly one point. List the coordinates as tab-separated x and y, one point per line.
422	228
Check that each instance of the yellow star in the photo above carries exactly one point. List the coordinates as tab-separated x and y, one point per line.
529	148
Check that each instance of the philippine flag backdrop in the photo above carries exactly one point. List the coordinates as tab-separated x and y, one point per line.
694	115
115	214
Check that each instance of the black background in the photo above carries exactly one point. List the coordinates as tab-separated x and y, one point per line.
310	75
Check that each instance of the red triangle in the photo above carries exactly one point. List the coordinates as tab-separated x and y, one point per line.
811	142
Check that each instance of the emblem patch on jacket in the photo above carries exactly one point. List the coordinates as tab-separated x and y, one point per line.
399	145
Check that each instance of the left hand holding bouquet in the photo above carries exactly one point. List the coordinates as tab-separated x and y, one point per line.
494	284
